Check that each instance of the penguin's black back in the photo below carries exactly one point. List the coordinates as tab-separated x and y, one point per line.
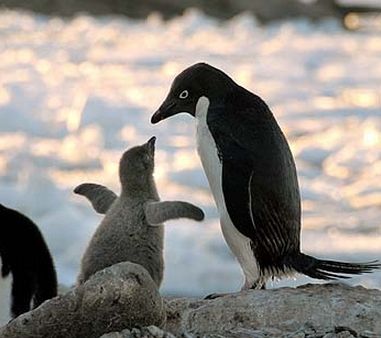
25	254
256	156
261	190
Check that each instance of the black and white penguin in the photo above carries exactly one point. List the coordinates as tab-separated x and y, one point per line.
252	175
25	255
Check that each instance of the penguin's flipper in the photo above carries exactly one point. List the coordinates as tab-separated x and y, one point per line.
99	196
160	212
5	268
23	287
259	181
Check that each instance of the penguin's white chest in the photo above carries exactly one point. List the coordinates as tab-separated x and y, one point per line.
5	298
207	150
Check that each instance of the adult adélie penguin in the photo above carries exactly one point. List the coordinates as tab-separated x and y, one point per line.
252	175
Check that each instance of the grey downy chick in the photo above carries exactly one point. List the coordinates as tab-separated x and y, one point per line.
132	228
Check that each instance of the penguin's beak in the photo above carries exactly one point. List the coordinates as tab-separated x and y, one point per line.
166	110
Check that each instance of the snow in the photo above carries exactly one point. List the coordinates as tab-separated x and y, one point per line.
370	3
74	94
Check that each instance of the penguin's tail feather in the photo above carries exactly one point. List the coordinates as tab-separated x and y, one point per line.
327	269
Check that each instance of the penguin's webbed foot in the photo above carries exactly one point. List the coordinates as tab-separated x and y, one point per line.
258	286
215	295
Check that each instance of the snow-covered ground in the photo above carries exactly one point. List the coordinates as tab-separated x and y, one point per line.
370	3
75	94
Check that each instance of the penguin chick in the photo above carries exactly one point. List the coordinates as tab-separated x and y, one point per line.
132	228
26	256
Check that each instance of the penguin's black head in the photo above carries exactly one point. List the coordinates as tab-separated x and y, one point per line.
199	80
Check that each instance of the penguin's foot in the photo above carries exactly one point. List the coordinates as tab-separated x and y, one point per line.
259	284
216	295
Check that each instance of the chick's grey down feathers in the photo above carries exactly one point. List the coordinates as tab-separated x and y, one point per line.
101	198
132	228
160	212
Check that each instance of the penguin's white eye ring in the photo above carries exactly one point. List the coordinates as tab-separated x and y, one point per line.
184	94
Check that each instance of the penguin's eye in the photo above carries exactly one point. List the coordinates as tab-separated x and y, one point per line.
184	94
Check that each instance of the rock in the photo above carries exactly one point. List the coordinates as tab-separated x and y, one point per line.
145	332
264	10
119	297
123	302
326	310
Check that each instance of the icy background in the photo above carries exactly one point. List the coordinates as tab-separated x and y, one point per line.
75	94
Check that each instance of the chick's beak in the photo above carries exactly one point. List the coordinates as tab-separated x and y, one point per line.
151	144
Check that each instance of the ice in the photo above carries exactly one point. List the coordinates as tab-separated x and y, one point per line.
75	93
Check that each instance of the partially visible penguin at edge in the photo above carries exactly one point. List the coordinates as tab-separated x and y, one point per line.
132	228
26	262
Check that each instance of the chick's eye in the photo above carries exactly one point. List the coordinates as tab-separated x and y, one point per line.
146	160
184	94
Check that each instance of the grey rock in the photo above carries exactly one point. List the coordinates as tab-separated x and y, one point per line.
336	310
124	300
145	332
119	297
264	10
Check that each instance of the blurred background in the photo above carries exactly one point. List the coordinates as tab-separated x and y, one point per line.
79	81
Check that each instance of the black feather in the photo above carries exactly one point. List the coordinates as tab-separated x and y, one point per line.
25	254
327	269
258	177
260	187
